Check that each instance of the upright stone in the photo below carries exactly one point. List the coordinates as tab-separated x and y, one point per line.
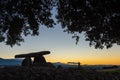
39	59
27	61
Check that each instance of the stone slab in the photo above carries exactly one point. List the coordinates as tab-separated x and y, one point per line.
33	54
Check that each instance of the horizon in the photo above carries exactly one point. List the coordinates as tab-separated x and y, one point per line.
66	63
63	48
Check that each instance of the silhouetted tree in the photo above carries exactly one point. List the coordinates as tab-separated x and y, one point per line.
98	19
19	17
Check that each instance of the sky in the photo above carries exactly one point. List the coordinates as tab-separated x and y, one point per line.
63	48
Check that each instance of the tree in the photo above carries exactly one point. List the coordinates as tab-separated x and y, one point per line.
23	17
98	19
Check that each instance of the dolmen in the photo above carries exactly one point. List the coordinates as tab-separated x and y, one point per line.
39	59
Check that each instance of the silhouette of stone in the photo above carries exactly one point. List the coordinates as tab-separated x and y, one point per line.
39	60
34	54
27	61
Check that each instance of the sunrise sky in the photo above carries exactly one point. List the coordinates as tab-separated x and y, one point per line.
63	48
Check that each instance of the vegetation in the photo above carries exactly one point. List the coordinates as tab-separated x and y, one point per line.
45	73
98	19
110	70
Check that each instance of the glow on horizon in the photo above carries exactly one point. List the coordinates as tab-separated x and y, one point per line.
63	49
105	58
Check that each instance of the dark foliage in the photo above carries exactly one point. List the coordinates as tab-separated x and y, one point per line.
19	17
98	19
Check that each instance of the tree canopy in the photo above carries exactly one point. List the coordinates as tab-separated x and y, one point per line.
23	17
98	19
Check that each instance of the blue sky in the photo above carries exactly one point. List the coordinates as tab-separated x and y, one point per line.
63	48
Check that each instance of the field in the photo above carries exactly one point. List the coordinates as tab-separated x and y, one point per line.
47	73
110	70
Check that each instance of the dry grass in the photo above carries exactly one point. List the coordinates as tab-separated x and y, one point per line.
110	70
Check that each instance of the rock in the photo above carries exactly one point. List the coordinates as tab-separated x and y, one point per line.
27	62
39	59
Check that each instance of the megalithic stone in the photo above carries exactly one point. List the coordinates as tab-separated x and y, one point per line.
34	54
27	61
38	58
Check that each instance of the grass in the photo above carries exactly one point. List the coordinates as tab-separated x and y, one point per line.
110	70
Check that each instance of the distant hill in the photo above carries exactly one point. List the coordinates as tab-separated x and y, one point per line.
17	62
63	65
96	67
10	62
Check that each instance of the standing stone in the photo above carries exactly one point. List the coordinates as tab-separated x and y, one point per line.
39	59
27	61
